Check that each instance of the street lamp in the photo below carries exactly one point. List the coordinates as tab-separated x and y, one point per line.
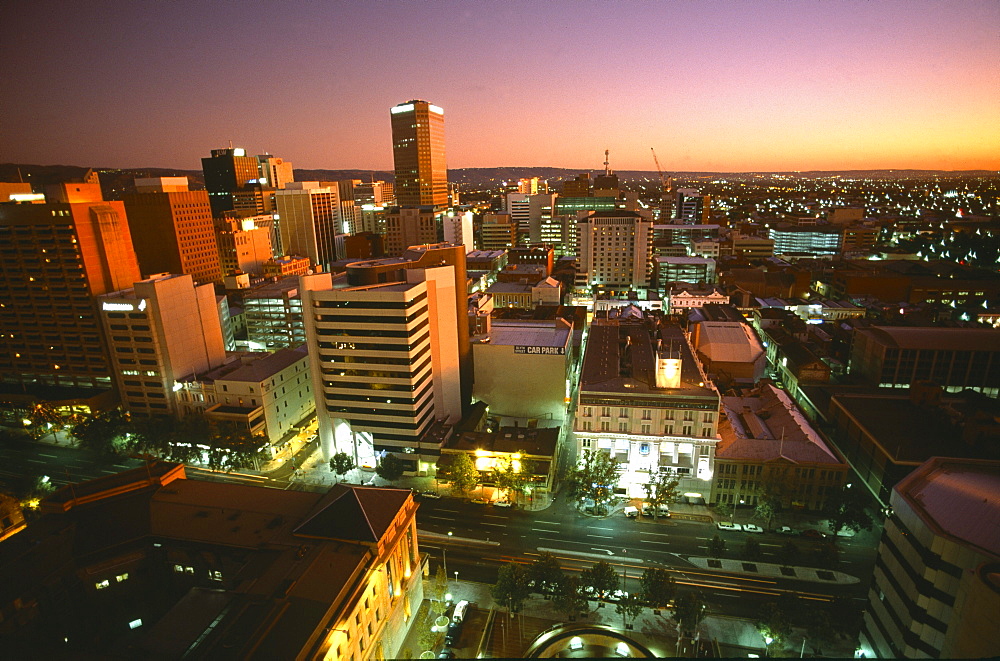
444	558
767	644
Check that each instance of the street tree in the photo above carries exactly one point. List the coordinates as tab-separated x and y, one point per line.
789	554
662	490
595	477
29	489
846	509
658	588
751	549
821	630
725	511
765	510
689	610
439	588
546	573
463	475
602	577
774	623
233	446
716	546
511	588
390	468
44	419
341	463
428	638
629	607
568	598
512	475
104	433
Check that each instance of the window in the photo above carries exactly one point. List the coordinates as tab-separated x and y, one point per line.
605	426
120	578
586	442
688	416
706	432
214	575
708	417
100	585
135	624
686	430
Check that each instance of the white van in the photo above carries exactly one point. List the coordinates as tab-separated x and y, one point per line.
460	609
631	512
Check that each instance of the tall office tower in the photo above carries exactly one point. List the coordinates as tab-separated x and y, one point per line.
418	154
579	187
308	217
173	231
372	192
229	171
692	207
161	330
274	172
541	205
388	344
614	248
243	245
411	226
458	229
56	257
499	231
532	186
373	219
518	205
606	185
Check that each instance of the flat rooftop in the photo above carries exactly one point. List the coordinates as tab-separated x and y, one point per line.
554	333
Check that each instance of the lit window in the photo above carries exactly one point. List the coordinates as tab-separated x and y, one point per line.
102	584
215	575
135	624
121	577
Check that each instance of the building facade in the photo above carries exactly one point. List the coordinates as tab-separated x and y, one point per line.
418	154
309	220
614	248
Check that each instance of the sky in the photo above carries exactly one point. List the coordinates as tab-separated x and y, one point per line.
729	86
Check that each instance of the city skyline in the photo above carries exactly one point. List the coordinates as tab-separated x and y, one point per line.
712	86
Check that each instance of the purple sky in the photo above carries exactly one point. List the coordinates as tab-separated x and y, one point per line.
728	86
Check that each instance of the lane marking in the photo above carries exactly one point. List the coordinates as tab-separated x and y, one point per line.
497	525
50	456
602	536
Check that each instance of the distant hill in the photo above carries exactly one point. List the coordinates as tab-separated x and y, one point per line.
116	181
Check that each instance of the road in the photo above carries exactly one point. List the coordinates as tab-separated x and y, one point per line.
630	545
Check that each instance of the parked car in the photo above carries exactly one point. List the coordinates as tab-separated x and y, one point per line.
649	510
433	495
453	634
785	530
503	503
458	616
479	501
845	532
631	511
749	527
616	596
812	534
725	525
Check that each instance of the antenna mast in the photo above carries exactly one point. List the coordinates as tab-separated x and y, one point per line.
607	170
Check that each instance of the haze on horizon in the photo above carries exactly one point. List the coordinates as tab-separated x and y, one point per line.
712	86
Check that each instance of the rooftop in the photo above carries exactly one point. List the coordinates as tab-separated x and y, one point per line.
554	333
959	498
948	339
729	342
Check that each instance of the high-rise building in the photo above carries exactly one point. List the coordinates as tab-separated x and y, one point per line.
173	231
389	347
243	245
410	226
692	207
418	154
56	257
499	231
274	172
160	331
309	220
518	205
226	172
935	591
614	248
458	229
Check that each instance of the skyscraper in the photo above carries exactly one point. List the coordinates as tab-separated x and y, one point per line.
613	247
418	154
309	221
174	231
56	257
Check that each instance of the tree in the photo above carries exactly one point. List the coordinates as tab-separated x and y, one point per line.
595	477
658	587
44	419
775	488
789	554
390	467
105	433
233	446
716	546
568	598
725	510
512	475
689	610
629	608
662	490
602	577
765	511
846	509
511	588
341	463
820	628
463	475
439	588
751	549
30	489
428	638
774	623
546	573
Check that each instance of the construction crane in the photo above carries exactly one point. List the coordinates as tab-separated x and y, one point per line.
666	184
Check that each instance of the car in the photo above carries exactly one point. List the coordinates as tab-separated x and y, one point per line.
458	616
433	495
616	596
631	512
749	527
503	503
479	501
726	525
812	534
785	530
453	634
845	532
446	654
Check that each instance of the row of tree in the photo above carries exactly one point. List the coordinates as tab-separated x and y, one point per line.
193	438
596	477
570	594
823	625
845	509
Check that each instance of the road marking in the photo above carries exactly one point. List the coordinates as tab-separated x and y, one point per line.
442	518
555	532
498	525
35	461
495	516
658	534
599	528
441	509
50	456
777	546
550	523
603	536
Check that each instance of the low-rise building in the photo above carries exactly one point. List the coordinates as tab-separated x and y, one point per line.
936	588
730	351
767	449
684	296
535	451
272	310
